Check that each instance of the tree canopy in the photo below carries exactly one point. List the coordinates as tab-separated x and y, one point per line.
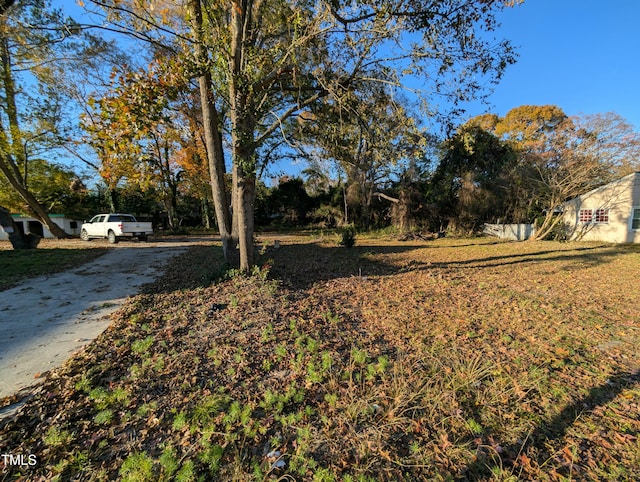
37	42
537	158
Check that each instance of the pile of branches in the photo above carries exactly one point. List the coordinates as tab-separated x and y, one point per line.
420	235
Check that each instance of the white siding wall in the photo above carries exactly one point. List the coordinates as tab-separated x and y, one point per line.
619	198
64	223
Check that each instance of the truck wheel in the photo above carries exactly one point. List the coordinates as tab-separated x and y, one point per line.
84	235
111	236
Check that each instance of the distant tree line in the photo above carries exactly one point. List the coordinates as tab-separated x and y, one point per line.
514	169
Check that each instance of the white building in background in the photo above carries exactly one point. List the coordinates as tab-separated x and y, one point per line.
610	213
28	224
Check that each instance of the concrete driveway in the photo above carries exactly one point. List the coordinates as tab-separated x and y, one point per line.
44	320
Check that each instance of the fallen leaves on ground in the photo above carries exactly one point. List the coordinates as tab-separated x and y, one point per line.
438	360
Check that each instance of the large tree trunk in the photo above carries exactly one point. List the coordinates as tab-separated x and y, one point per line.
213	138
235	205
549	223
243	132
246	193
244	188
215	154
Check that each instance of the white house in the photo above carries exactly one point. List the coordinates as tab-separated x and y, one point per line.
610	213
27	224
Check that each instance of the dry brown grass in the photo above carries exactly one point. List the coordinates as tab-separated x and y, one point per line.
448	360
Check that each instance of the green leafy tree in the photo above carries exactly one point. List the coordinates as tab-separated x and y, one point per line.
57	188
370	141
138	134
538	135
471	182
407	195
289	201
37	44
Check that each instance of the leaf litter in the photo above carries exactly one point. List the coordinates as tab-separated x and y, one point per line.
447	359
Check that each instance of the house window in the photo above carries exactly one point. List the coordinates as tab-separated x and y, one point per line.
585	216
635	219
602	216
73	225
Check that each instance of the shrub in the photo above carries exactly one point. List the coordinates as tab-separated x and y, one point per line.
348	237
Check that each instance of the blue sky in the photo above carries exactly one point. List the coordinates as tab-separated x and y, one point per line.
581	55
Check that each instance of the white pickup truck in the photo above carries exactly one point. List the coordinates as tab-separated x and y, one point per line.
115	226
